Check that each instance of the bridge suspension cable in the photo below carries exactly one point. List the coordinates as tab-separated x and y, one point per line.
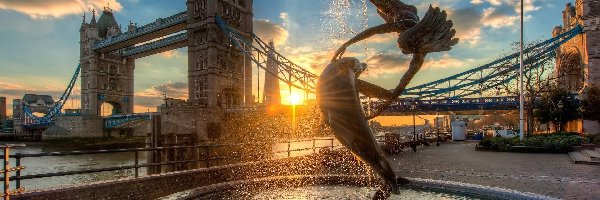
491	74
289	72
56	109
464	84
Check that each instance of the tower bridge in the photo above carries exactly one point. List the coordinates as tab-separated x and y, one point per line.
222	49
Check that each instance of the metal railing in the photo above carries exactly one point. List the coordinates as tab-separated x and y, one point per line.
7	169
205	156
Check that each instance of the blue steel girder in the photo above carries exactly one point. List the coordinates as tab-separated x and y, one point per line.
441	105
55	110
160	27
170	42
464	104
488	76
118	120
260	52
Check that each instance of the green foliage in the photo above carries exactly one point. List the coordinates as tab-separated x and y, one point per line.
593	139
500	143
591	104
556	143
548	108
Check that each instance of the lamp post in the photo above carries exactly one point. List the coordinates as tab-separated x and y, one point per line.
560	107
437	126
521	98
413	106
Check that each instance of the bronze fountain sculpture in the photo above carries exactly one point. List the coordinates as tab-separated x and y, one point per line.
338	87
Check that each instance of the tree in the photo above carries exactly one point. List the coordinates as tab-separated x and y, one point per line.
536	78
557	106
591	104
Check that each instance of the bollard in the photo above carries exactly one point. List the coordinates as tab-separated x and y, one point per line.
137	166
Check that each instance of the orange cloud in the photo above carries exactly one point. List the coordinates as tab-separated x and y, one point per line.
267	30
41	9
445	62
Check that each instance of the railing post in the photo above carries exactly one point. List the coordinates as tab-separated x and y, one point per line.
6	174
18	163
331	143
137	166
288	151
207	150
314	146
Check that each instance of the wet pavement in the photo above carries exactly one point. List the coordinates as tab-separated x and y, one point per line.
546	174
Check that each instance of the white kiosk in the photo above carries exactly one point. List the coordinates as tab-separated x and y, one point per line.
459	131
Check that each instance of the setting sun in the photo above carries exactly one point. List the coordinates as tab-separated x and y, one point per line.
295	99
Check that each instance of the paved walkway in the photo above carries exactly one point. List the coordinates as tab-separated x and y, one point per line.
547	174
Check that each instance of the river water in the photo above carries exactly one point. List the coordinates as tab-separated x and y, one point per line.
53	164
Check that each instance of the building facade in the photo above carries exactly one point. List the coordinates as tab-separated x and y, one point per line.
3	114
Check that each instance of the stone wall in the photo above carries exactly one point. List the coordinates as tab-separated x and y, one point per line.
591	21
183	120
75	126
156	186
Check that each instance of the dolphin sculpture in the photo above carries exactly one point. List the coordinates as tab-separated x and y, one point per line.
338	86
338	100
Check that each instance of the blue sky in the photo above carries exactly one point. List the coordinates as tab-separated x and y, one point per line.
39	40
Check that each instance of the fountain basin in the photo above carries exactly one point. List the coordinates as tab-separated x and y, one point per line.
339	186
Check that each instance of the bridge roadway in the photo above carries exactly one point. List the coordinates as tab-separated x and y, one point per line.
157	29
401	108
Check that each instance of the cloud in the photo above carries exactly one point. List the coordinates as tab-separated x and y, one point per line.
152	97
529	5
445	62
268	30
42	9
176	90
16	91
383	38
386	62
285	17
467	24
171	54
499	17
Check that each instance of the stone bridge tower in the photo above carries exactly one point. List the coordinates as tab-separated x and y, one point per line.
578	61
105	77
218	76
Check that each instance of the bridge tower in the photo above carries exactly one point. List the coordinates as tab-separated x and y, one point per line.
218	76
578	60
272	94
105	77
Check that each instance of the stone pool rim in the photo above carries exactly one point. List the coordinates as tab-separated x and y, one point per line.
451	187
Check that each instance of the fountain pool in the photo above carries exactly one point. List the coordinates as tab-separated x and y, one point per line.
339	187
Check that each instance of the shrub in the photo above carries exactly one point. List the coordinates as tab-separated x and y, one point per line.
556	143
499	143
596	140
593	139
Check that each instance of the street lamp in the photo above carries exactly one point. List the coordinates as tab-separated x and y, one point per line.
413	106
437	126
560	107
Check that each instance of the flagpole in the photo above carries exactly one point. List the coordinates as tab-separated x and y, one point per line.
521	97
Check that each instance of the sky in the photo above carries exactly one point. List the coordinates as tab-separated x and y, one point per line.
39	40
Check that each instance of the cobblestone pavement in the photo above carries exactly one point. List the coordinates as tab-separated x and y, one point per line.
547	174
